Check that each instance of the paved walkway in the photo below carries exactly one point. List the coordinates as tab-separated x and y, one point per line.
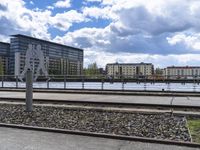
189	101
18	139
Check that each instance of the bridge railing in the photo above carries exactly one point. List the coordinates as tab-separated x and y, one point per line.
106	82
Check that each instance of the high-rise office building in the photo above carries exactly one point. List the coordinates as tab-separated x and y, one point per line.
4	57
59	59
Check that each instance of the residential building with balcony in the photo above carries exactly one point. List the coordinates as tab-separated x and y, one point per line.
182	72
130	70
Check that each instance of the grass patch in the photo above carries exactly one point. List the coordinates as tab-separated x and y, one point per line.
194	127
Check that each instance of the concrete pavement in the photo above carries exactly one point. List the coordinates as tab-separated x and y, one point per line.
164	100
18	139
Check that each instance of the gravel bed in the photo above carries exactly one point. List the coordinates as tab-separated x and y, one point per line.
159	126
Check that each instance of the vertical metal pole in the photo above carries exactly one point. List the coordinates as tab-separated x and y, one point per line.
145	84
47	84
168	85
2	81
16	81
64	81
82	82
194	85
102	82
29	91
122	83
122	86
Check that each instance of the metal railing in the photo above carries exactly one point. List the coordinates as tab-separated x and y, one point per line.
105	82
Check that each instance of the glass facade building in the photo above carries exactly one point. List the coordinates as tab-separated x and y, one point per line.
59	59
4	57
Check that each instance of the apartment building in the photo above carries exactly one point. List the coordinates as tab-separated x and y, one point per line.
129	70
186	72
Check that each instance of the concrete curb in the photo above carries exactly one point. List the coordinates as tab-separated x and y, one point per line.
113	109
101	135
101	103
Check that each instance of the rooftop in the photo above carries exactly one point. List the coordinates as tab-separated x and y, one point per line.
183	67
41	40
142	63
5	43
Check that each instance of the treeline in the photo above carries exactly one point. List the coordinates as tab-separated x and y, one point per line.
92	70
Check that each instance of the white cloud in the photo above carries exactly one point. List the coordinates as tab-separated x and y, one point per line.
96	12
102	58
93	38
31	2
63	4
4	38
50	7
108	2
153	17
18	19
93	0
191	41
139	26
64	21
34	22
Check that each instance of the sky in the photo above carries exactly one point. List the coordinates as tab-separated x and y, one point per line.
162	32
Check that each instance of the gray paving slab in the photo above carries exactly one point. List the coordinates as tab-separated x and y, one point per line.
191	101
18	139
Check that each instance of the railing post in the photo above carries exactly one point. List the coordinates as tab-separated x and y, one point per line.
16	81
145	86
82	82
122	83
194	85
47	84
102	83
168	86
2	81
64	81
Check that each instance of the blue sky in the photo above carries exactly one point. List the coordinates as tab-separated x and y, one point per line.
163	32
